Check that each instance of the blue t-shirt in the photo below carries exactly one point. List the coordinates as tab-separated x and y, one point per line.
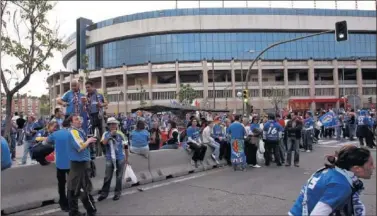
218	131
309	122
362	120
272	130
61	139
95	97
236	130
77	151
68	97
28	128
194	133
119	139
139	139
329	187
6	161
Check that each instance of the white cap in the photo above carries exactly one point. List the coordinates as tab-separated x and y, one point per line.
112	120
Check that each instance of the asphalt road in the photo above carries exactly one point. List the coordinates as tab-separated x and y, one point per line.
264	191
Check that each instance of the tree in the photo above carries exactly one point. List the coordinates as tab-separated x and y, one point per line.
186	94
32	43
141	94
278	98
44	105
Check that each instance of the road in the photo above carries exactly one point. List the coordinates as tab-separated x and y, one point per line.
263	191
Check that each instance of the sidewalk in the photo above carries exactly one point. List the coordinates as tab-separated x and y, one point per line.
19	154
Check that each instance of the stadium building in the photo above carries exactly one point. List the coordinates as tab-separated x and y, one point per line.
212	48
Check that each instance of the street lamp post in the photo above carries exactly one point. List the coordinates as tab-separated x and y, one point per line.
242	78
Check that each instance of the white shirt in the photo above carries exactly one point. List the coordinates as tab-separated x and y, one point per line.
207	135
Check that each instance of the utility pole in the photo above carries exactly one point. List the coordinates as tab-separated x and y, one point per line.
242	81
213	83
1	93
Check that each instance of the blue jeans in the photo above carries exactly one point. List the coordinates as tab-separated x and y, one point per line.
216	147
27	145
120	167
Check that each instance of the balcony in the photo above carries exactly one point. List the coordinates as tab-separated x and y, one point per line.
347	82
299	82
369	82
324	82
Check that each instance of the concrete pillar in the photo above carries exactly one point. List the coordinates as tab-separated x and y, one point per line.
70	80
103	80
359	78
150	82
205	79
125	86
61	86
335	74
54	91
260	84
286	84
311	83
50	90
82	81
177	80
233	81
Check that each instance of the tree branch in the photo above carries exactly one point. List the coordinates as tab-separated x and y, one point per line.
3	81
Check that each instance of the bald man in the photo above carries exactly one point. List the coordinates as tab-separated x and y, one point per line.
74	101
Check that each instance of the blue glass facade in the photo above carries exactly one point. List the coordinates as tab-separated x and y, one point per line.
225	46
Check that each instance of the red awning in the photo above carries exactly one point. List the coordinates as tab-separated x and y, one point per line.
318	100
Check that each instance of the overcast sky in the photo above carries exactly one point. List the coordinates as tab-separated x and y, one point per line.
66	13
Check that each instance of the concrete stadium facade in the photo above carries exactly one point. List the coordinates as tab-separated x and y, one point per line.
163	49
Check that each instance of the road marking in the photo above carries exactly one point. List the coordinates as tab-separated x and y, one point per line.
146	188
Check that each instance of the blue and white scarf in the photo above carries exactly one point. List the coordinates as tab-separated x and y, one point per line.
358	206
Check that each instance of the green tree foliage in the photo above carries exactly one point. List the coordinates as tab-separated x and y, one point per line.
44	104
186	94
31	43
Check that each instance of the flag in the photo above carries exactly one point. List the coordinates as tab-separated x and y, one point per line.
328	120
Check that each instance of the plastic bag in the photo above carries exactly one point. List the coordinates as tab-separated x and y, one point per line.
261	147
129	173
260	157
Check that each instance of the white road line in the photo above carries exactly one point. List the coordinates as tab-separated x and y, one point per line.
142	189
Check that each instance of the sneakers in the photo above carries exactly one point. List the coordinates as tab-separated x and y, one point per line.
101	197
256	166
214	158
308	151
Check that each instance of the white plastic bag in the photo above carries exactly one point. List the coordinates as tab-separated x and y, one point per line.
260	157
129	173
261	147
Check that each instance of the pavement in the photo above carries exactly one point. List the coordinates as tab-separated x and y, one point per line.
258	191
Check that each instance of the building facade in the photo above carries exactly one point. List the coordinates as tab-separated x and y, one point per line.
22	104
212	48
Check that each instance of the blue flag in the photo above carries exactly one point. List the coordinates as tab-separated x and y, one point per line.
328	120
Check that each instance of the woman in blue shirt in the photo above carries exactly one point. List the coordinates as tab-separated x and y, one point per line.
140	140
336	188
251	146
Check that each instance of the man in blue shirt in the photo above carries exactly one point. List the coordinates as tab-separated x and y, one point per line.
60	139
116	157
30	130
271	134
195	143
58	117
6	161
75	101
308	131
79	183
363	129
237	134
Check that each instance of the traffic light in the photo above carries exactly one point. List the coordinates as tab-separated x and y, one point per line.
370	100
341	31
245	95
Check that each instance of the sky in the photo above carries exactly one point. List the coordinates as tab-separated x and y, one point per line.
66	12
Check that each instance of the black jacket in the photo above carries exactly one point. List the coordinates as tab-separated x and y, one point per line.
293	132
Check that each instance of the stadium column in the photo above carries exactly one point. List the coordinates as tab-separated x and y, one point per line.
61	86
50	95
311	83
70	80
150	82
336	81
54	96
359	79
260	84
103	80
125	86
177	80
205	79
233	80
286	84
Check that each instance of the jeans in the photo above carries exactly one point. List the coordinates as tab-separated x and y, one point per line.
120	167
338	131
140	150
13	141
61	175
352	131
272	146
27	145
293	145
308	139
20	136
282	150
216	147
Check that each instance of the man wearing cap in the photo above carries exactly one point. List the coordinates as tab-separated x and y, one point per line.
114	141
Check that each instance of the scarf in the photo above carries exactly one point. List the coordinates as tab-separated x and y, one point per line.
113	149
76	102
358	206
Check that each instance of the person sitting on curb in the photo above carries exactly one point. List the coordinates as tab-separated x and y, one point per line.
173	137
114	141
210	141
194	143
140	140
